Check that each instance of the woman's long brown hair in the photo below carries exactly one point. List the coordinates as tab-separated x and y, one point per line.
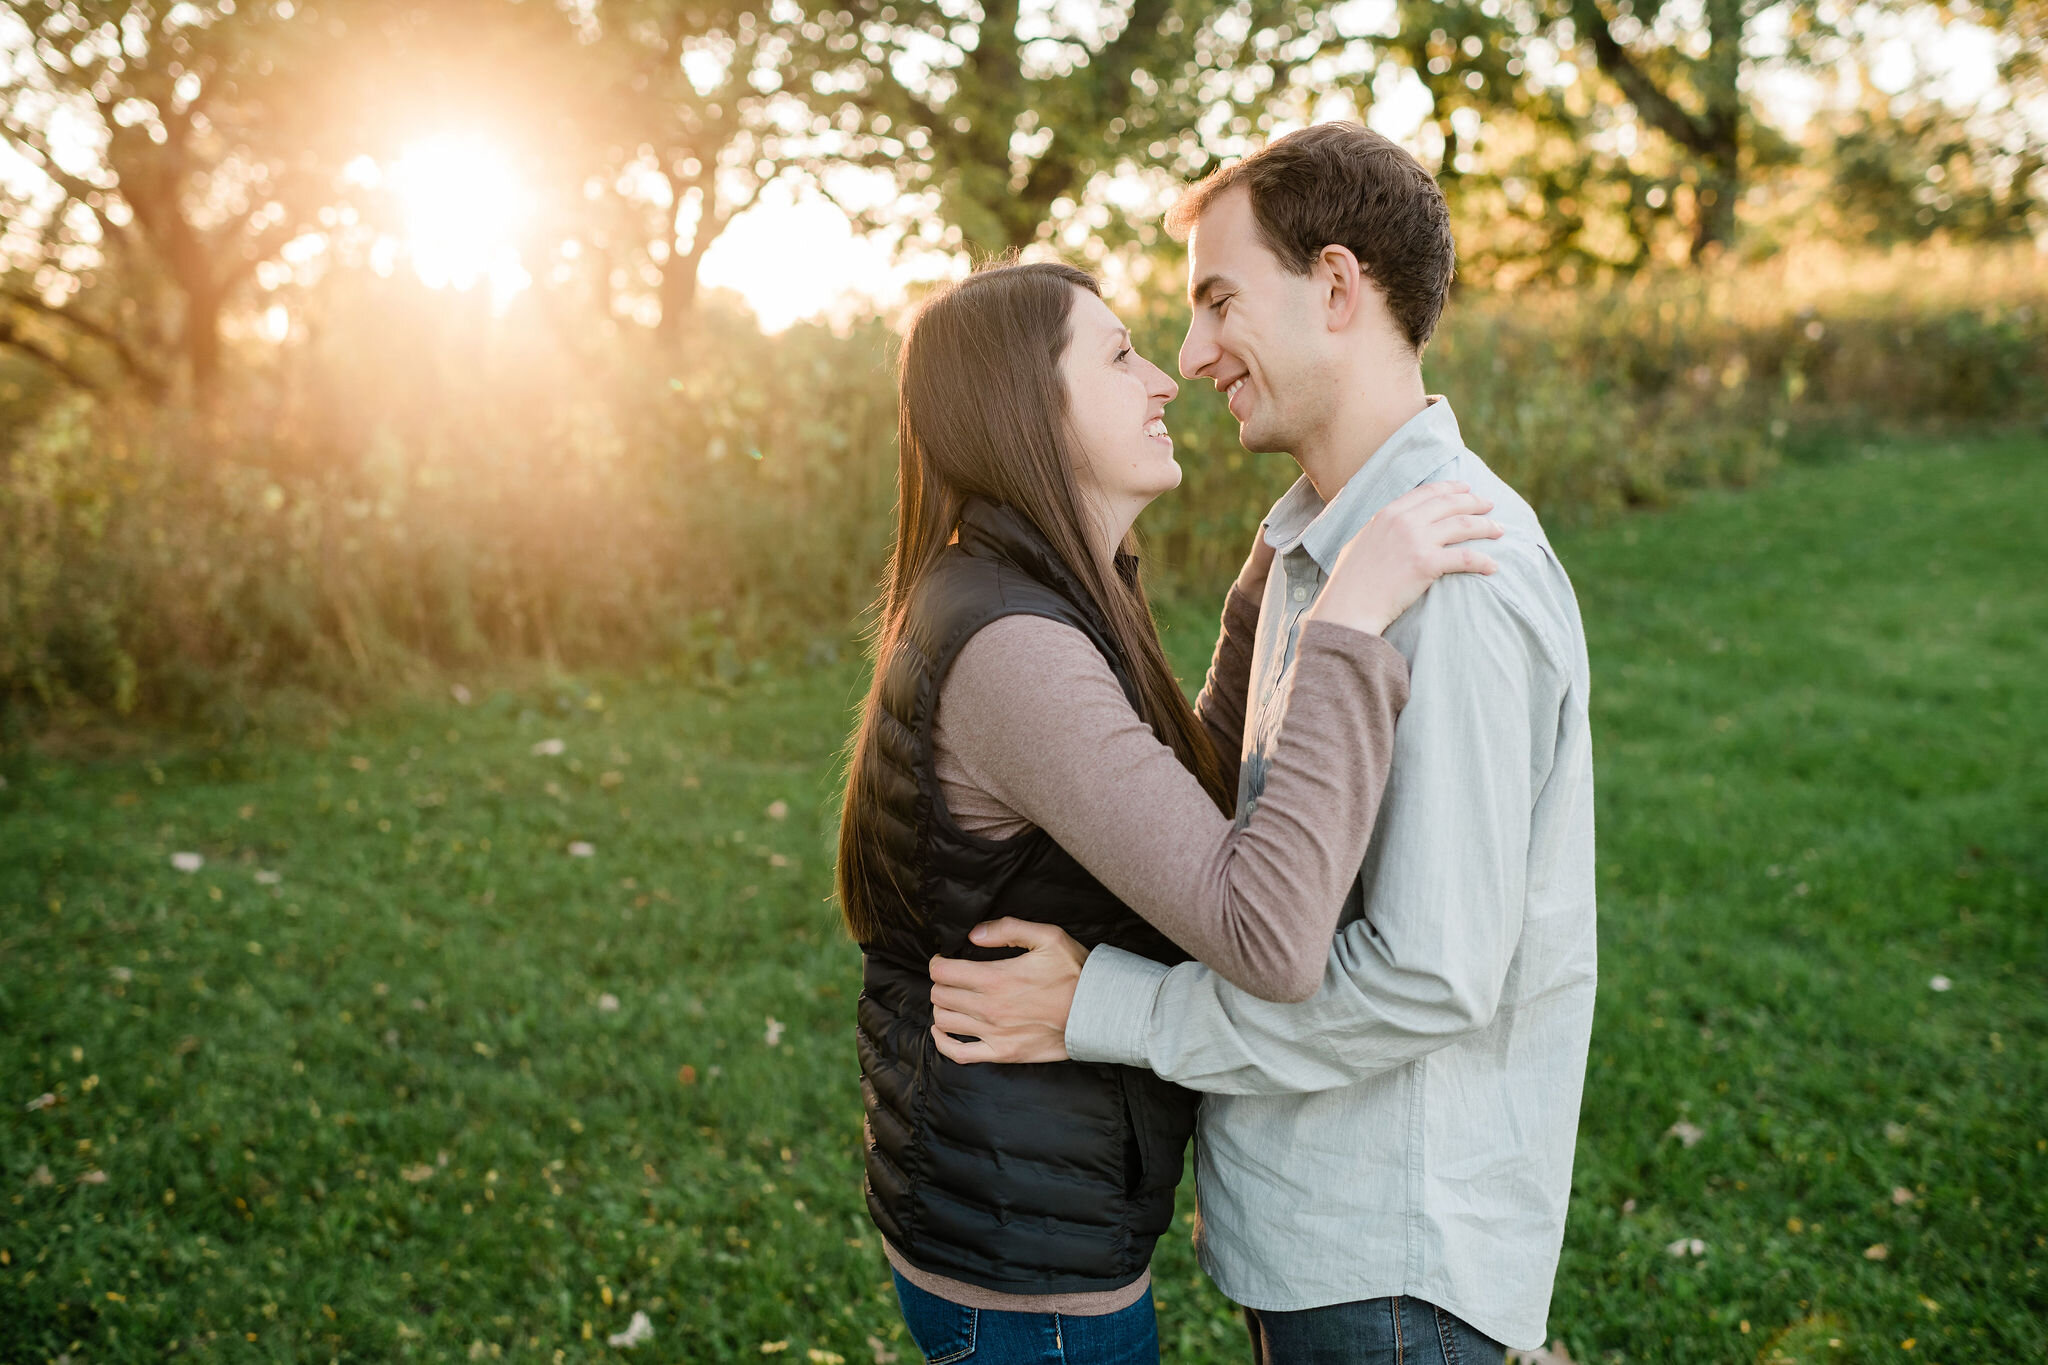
982	412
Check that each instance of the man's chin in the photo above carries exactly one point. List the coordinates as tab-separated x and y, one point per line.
1260	440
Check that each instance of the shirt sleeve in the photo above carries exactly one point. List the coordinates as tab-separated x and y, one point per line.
1426	962
1031	714
1221	705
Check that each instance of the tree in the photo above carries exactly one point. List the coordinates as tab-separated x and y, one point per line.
177	144
1000	114
1569	86
692	123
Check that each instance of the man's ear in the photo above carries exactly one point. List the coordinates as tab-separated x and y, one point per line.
1346	284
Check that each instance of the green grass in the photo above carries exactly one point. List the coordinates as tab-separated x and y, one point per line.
379	1109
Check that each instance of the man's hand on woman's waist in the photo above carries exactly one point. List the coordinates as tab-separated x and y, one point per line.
1016	1008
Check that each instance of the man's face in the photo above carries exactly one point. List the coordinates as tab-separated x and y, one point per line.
1258	330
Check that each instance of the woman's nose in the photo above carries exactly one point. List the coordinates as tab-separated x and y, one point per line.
1163	384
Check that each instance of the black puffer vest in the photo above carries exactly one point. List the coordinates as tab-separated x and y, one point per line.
1048	1178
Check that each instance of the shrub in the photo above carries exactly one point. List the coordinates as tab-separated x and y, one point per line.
418	491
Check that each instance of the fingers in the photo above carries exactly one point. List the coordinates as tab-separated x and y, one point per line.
1461	559
956	1000
960	973
1010	932
1427	492
956	1020
1449	505
966	1054
1451	530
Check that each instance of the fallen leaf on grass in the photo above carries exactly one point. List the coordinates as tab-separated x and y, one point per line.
580	849
686	1074
637	1331
41	1176
121	973
772	1035
187	862
1901	1196
549	748
774	1348
416	1174
1685	1132
1939	983
265	877
42	1101
608	1003
822	1357
1876	1252
1686	1246
778	810
93	1177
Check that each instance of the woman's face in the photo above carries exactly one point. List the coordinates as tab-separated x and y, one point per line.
1116	405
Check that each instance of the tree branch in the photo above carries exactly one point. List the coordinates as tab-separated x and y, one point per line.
75	188
1658	109
11	336
142	373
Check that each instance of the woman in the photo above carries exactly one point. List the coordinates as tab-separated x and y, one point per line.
1025	749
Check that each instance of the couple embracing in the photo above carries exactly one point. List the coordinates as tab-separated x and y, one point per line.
1335	921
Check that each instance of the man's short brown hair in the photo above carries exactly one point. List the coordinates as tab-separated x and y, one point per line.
1341	184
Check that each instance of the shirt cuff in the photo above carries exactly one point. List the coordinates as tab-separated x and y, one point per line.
1111	1017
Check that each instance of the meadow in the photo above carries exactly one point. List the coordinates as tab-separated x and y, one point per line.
474	1025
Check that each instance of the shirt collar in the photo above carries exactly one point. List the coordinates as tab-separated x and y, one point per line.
1301	517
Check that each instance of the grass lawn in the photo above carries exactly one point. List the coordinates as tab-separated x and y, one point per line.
481	1028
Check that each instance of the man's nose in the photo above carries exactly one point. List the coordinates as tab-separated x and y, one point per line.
1197	352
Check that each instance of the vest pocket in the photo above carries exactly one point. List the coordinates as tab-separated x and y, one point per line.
1159	1119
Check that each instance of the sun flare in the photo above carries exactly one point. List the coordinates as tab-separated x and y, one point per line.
465	206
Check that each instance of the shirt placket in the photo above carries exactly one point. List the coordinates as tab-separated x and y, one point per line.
1304	580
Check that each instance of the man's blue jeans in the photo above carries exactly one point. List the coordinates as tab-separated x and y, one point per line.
1395	1331
946	1333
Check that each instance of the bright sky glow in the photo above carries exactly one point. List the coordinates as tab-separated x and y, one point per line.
794	256
465	207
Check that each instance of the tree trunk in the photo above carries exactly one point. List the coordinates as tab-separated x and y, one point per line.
678	291
1713	221
199	340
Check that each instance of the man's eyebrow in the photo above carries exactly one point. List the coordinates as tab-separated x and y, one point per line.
1209	285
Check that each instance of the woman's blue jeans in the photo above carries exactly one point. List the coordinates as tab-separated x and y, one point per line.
946	1333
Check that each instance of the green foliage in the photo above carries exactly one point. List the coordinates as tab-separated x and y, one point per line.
466	495
1812	707
493	512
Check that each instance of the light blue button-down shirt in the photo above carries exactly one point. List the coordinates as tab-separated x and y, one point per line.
1409	1129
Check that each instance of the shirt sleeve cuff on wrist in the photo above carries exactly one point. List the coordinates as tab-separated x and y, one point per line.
1111	1017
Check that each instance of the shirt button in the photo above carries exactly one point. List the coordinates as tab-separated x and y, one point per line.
1301	593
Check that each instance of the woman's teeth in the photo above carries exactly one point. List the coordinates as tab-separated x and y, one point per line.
1230	394
1156	427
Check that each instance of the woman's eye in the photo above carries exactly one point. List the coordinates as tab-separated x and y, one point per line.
1120	355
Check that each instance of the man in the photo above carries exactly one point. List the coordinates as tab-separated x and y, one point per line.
1383	1171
